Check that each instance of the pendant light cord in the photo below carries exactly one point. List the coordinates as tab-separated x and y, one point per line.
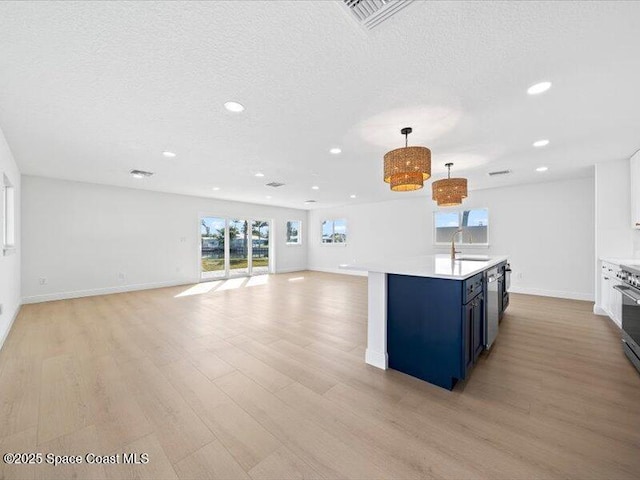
449	165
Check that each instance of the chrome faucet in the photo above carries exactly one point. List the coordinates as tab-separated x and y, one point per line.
453	243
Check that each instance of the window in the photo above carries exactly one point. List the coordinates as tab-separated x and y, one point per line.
474	224
294	232
334	231
8	214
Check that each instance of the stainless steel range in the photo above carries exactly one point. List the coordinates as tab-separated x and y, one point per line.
630	290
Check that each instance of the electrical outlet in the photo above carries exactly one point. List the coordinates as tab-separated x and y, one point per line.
121	276
519	275
0	309
43	280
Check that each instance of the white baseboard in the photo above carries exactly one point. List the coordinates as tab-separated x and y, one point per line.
48	297
553	293
13	319
290	270
598	310
377	359
340	270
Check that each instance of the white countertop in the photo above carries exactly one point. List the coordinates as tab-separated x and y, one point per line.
621	260
433	266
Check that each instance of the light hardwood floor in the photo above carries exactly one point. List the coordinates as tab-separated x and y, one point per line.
268	381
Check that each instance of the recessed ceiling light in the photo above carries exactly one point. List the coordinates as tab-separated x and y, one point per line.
268	196
259	174
352	196
168	154
541	143
542	169
335	150
234	107
315	187
215	189
539	88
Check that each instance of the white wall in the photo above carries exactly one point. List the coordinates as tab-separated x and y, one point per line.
10	263
546	229
80	236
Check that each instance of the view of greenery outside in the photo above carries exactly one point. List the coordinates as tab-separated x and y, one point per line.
213	264
238	245
260	246
334	231
212	239
293	232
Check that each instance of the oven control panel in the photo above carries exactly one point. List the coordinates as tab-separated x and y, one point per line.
632	278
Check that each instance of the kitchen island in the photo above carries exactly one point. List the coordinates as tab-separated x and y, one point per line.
426	314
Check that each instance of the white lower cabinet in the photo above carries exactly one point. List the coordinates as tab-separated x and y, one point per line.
616	303
610	298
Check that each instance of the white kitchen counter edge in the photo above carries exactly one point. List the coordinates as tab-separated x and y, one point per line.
620	260
391	267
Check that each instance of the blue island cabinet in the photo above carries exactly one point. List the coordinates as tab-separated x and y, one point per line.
435	326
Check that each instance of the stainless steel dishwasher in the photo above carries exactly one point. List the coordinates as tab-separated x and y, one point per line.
493	276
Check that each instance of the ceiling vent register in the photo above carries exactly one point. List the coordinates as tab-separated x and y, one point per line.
140	173
371	13
275	184
499	172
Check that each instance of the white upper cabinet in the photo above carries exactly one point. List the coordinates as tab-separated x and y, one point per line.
635	190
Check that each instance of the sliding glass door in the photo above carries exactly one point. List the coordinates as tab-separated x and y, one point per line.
234	247
260	246
238	247
212	247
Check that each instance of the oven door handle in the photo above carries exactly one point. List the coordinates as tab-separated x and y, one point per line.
625	291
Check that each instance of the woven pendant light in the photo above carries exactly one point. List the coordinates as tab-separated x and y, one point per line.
449	192
407	168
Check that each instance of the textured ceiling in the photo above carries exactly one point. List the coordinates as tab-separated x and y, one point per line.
89	91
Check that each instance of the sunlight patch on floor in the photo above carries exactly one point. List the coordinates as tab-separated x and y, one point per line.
258	280
222	285
199	289
232	284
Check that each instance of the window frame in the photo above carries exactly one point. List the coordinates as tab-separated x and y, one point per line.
463	241
333	230
9	227
299	242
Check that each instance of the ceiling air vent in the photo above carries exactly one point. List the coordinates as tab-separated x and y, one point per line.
372	13
309	201
275	184
499	172
140	173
